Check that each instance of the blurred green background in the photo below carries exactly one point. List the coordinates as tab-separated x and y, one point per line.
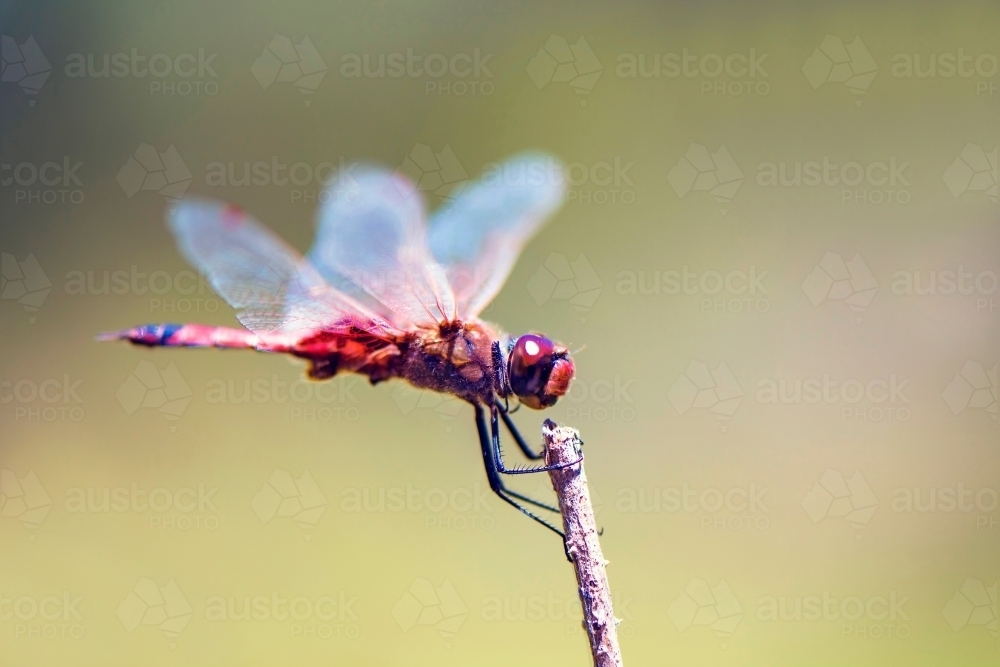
786	384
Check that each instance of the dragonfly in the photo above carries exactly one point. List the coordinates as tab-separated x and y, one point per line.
387	293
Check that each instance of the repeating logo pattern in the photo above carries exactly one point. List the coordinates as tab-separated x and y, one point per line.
438	173
24	65
24	282
712	389
834	496
558	61
162	606
974	387
148	169
425	604
408	398
559	279
702	171
151	388
835	62
284	496
974	604
284	62
854	289
974	170
833	279
702	605
24	499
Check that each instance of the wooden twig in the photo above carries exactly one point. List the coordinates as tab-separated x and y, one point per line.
562	446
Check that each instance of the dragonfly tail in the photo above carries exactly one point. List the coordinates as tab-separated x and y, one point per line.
185	335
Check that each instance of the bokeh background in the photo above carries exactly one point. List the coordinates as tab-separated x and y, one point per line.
787	384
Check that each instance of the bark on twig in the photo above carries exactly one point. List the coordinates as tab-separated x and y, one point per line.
562	446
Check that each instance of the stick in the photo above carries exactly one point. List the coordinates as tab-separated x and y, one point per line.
562	446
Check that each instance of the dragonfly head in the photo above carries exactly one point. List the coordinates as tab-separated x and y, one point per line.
539	371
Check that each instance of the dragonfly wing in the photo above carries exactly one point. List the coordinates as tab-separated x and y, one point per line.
479	235
272	287
372	231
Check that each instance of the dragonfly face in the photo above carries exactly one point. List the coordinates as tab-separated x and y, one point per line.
539	371
387	292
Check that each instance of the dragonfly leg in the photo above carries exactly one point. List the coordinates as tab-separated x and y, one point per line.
498	455
525	447
496	483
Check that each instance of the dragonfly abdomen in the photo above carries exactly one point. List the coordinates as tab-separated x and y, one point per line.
196	335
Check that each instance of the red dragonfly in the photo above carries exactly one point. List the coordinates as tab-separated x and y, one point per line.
387	294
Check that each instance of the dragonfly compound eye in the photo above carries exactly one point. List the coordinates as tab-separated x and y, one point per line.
539	371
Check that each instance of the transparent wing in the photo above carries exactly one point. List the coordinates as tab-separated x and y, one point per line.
478	236
371	231
272	287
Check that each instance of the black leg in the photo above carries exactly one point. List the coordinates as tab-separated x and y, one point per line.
498	456
493	475
525	447
498	465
